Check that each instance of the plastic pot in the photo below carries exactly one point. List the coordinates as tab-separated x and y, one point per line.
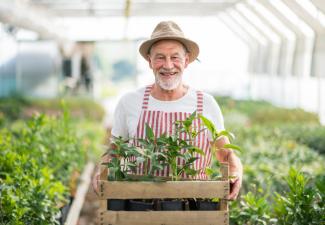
176	205
207	205
138	205
116	204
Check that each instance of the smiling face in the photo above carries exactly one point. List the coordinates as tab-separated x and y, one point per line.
168	59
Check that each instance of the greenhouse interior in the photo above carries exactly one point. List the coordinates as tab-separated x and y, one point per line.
70	69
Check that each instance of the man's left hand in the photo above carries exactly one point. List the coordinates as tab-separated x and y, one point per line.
235	184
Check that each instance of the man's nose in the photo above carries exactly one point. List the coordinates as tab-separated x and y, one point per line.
168	63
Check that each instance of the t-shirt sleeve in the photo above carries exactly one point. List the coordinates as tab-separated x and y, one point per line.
213	112
119	128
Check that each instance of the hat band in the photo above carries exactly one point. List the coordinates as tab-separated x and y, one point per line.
167	34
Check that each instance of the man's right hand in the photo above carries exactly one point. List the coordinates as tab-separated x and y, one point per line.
96	179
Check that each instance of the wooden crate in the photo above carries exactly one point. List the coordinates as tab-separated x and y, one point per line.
169	189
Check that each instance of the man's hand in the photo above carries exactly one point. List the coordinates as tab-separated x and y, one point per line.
235	166
235	185
95	180
236	175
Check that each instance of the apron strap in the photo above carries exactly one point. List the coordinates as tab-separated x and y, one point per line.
146	95
199	106
199	95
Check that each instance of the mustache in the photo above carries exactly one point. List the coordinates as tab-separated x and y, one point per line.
167	70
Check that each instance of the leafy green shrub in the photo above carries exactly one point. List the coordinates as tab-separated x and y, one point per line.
78	107
11	108
301	204
312	136
274	138
247	107
275	115
2	119
28	193
268	151
254	209
261	112
36	162
22	108
53	142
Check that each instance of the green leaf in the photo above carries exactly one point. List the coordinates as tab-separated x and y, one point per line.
208	171
232	146
210	126
189	120
226	133
140	160
198	150
149	133
191	160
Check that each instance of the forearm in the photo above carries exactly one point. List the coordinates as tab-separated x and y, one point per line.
235	165
99	172
104	158
226	155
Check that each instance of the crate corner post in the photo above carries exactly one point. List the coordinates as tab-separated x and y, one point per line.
225	176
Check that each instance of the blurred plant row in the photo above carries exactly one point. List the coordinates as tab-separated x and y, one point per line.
19	107
41	157
283	157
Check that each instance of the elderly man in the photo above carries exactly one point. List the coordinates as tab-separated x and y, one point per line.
169	53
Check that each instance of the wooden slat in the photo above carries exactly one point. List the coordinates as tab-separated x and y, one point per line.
224	169
164	218
225	176
169	189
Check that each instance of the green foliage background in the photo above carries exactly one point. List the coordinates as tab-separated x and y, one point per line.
283	158
39	155
282	153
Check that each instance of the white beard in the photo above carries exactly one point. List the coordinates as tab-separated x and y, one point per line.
170	84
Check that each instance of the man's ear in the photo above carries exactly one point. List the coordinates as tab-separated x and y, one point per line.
149	61
187	60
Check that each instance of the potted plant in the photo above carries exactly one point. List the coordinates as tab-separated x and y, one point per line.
214	171
176	148
151	154
119	165
165	150
152	157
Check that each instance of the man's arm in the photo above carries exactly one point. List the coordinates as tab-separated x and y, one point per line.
235	165
105	158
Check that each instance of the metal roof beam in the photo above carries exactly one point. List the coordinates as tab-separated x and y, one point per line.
137	8
27	17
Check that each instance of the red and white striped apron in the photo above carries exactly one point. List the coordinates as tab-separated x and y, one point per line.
162	122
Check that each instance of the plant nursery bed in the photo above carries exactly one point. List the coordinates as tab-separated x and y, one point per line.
164	190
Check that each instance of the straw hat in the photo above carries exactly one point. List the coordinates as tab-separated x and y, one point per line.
169	30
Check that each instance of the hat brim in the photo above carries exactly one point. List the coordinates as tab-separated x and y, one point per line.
191	46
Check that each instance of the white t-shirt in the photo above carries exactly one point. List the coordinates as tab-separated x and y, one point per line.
128	110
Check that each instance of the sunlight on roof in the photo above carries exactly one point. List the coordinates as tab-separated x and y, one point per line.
252	30
273	20
257	22
293	18
312	10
